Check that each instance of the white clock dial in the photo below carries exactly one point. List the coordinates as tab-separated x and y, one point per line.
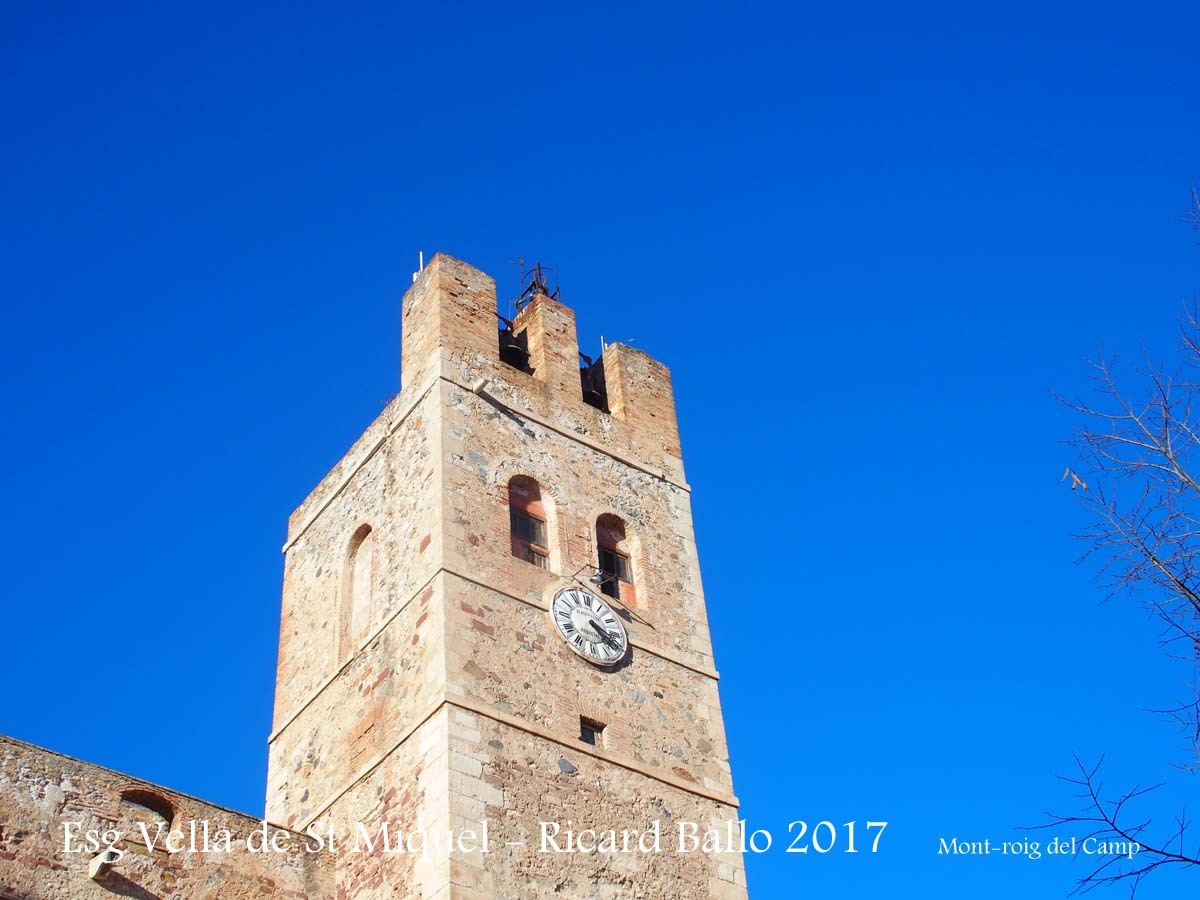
589	626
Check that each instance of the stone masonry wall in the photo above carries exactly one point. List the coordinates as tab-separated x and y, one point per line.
485	446
516	780
41	790
392	487
450	330
409	790
503	655
374	702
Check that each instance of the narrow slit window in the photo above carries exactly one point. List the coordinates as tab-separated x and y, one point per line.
357	589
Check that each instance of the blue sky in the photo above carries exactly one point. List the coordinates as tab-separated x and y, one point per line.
870	241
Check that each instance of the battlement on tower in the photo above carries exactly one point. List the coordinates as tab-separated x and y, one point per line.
623	400
421	678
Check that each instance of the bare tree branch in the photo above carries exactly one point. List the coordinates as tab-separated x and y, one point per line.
1107	821
1139	465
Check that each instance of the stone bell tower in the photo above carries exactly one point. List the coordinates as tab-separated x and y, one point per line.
422	680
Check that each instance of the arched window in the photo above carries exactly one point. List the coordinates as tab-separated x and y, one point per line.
148	802
357	586
612	552
142	808
527	521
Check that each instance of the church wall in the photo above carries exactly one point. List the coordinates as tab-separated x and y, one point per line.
517	780
393	490
484	447
503	655
409	790
41	790
373	703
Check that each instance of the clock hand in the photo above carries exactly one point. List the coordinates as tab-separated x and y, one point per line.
595	625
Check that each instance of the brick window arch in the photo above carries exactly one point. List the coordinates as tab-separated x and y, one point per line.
528	524
357	589
150	802
144	809
614	560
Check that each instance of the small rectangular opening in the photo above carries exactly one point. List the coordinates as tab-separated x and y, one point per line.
591	731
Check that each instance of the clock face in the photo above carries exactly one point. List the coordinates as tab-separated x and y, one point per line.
589	626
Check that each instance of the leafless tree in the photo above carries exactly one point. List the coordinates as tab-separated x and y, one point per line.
1138	476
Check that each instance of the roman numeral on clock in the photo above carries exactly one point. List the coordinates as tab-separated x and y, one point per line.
588	626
